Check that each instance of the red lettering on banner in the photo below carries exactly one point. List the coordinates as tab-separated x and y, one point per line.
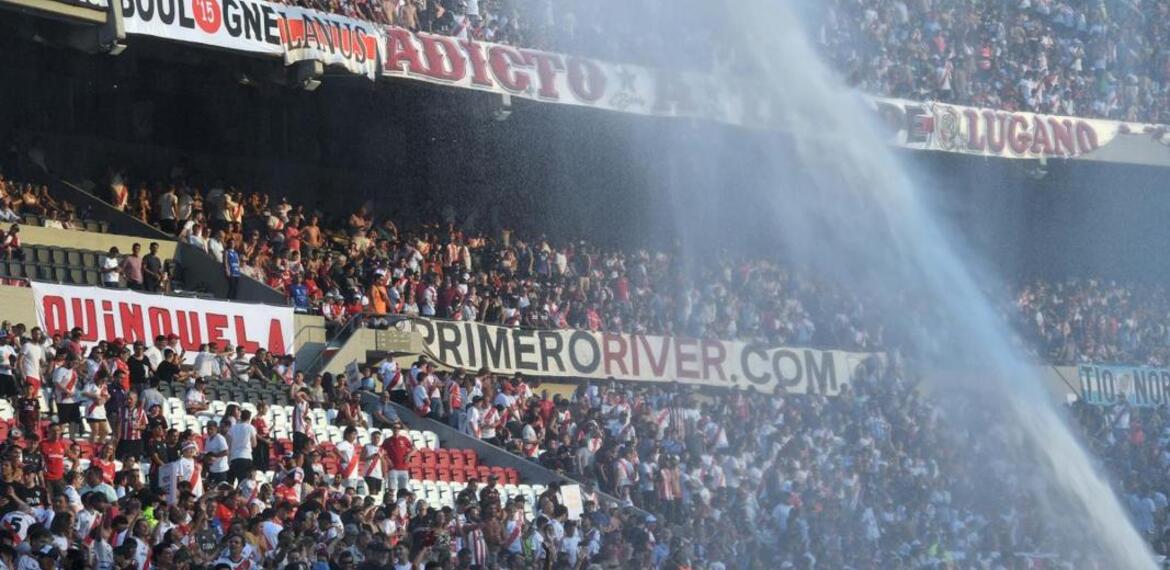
108	320
658	367
160	321
1041	143
1086	137
276	338
437	59
215	325
132	324
479	71
1062	137
684	356
53	308
250	346
1017	134
612	354
975	141
994	126
714	353
190	335
504	60
400	49
547	66
85	318
586	80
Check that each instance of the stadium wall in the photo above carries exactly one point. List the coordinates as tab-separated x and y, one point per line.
75	239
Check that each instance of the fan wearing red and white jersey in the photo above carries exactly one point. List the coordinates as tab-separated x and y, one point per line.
349	457
374	460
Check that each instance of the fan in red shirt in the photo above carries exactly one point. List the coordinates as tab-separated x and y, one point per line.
399	449
54	450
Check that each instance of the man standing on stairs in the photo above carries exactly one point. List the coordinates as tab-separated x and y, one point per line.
232	264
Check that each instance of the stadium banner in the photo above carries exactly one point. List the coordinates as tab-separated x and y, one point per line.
567	79
1003	134
240	25
108	314
598	356
1140	386
331	39
259	27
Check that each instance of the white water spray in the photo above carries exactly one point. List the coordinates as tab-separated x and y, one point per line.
861	221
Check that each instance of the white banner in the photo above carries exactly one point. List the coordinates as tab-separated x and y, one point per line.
585	354
259	27
333	40
298	34
108	314
240	25
1002	134
568	79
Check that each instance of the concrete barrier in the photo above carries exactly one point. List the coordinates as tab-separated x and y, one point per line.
77	239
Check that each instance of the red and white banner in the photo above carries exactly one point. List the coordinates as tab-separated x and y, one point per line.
108	314
334	40
297	34
1004	134
598	356
567	79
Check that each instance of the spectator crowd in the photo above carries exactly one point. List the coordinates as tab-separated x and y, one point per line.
1088	58
870	478
716	479
359	266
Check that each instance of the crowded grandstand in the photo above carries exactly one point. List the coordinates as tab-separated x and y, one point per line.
357	284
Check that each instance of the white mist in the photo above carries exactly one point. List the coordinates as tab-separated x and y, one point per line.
860	219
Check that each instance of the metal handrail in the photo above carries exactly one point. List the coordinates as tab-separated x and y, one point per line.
339	339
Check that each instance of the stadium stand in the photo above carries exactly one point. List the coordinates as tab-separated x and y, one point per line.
671	476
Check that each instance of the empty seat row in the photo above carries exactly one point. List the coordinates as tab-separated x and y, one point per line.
62	274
